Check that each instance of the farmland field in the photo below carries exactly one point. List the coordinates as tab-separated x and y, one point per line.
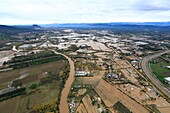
158	67
88	105
120	108
111	95
89	80
34	73
81	109
43	84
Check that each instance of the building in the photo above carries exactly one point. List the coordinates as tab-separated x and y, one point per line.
112	75
82	51
168	67
7	90
100	110
73	53
82	73
167	80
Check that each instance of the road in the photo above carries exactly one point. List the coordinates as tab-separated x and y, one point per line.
64	94
151	77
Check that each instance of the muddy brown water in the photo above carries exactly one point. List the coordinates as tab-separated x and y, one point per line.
64	94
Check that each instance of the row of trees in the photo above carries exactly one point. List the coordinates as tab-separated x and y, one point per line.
43	108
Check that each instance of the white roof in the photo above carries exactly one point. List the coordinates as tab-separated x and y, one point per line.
100	110
168	79
168	67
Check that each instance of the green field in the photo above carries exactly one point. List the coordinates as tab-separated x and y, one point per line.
158	66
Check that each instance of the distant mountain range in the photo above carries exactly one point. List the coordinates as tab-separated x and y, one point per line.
130	26
5	29
34	26
84	25
93	25
148	28
19	26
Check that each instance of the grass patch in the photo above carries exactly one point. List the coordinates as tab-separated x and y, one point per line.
154	108
33	86
159	69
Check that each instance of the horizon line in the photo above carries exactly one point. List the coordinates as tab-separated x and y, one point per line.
86	23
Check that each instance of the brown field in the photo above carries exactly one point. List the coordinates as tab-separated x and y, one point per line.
81	91
81	109
110	95
121	64
89	80
88	105
164	109
34	73
130	76
9	106
44	94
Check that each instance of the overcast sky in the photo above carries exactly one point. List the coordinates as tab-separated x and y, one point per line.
82	11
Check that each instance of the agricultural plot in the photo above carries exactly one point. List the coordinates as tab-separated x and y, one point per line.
43	83
120	108
88	105
111	95
81	109
89	80
34	73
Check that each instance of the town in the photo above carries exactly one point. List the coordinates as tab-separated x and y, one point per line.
84	71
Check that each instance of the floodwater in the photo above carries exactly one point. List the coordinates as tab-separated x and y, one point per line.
94	45
5	56
64	94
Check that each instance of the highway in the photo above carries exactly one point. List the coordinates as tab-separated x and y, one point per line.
150	75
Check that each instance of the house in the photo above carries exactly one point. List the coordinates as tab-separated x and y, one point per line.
82	51
100	110
82	73
167	80
7	90
168	67
73	53
112	75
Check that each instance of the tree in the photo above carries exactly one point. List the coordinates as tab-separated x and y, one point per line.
33	86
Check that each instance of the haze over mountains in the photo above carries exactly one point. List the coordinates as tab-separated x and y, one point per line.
106	24
88	24
126	26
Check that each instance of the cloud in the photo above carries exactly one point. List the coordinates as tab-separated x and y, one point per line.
152	5
82	11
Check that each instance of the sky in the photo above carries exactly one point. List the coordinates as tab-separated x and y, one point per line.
15	12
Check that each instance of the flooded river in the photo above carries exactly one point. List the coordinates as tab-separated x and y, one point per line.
64	94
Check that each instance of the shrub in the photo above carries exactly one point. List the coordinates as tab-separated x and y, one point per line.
33	86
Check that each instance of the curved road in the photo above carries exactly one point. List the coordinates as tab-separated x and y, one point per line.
64	94
151	77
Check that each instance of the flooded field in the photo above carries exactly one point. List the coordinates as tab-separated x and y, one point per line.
5	56
95	45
